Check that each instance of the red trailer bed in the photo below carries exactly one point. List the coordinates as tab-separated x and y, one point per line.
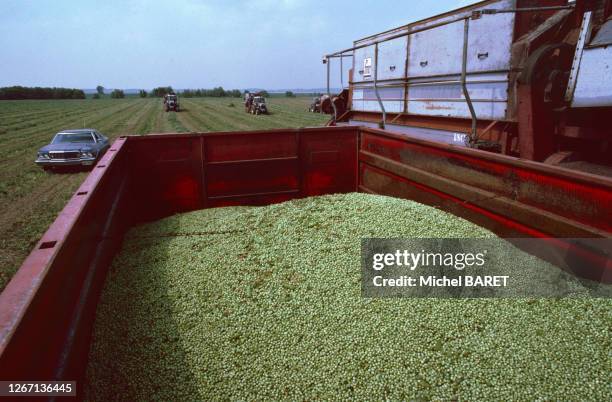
47	310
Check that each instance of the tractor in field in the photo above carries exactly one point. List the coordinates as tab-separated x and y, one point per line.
315	106
171	102
255	103
258	106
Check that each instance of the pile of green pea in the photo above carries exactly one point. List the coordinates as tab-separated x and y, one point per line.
264	303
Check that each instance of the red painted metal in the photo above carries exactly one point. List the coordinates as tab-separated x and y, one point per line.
181	172
47	310
578	197
527	21
50	292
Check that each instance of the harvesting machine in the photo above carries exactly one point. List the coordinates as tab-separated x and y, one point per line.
527	78
421	124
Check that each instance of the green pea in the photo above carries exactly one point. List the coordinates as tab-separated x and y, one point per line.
265	303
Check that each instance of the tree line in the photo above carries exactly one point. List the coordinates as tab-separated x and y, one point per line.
19	92
158	92
217	92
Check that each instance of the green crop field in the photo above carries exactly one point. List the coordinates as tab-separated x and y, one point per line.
31	198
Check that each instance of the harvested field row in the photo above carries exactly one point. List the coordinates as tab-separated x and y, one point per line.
25	126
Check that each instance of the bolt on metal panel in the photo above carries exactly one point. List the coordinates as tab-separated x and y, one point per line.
490	40
436	51
392	59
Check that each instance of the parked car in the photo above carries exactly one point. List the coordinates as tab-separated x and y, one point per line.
82	147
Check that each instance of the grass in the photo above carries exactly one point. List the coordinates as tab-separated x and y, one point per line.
30	198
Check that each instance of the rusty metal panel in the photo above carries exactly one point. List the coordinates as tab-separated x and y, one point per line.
374	180
444	97
580	204
590	262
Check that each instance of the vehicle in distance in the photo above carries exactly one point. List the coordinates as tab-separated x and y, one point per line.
258	105
82	147
315	106
171	102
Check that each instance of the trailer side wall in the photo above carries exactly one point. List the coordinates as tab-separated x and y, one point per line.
47	310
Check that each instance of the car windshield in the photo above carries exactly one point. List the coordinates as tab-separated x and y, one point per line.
259	99
63	138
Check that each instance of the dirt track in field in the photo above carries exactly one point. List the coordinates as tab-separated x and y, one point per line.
30	198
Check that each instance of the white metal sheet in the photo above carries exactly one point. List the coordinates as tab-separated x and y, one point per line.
364	99
489	94
363	57
490	42
594	82
437	51
435	56
484	110
462	12
447	137
392	59
604	35
493	91
390	106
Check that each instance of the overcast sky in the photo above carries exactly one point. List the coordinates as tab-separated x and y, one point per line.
270	44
